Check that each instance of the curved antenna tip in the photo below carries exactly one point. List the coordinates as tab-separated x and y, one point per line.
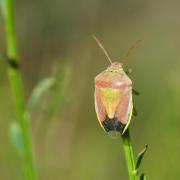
133	46
103	49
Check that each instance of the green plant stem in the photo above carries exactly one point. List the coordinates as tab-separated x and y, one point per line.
17	88
129	156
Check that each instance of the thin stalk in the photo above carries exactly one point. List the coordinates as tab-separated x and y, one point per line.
128	151
17	88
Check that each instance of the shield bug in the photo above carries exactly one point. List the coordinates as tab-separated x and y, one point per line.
113	96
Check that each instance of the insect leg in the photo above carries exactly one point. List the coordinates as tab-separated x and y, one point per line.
134	108
135	92
134	111
128	71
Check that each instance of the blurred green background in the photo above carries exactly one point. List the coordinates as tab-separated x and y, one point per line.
55	39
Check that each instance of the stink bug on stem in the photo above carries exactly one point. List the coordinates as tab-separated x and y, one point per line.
113	96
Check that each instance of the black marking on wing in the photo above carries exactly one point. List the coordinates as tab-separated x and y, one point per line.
113	125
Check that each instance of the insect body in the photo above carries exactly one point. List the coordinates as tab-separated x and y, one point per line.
113	97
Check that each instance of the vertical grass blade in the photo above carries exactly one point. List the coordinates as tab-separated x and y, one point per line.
129	156
17	87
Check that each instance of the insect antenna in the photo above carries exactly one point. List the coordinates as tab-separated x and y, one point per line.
133	46
103	49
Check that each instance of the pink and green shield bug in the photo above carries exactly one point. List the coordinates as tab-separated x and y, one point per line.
113	96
